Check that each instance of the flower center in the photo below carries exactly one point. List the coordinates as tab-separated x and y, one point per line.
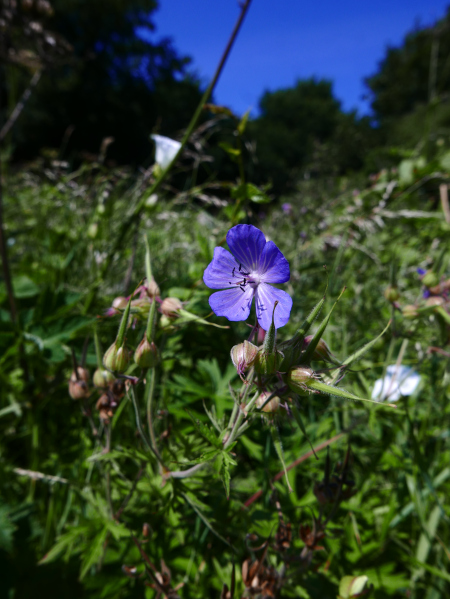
241	278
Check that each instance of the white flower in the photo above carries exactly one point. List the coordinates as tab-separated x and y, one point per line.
166	150
399	381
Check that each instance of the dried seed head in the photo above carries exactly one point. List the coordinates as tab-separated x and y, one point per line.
170	306
102	402
82	374
78	389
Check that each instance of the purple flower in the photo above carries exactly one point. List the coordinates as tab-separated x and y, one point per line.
246	273
421	271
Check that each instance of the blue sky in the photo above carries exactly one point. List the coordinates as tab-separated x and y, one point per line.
282	41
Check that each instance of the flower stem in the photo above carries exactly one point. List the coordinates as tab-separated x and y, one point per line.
149	391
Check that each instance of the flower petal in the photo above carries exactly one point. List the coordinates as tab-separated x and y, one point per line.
273	266
234	304
246	243
266	296
219	273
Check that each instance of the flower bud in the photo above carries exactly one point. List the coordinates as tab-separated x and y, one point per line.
152	288
322	351
146	354
297	379
116	359
165	323
410	312
430	279
141	306
434	302
243	356
391	293
272	406
102	378
120	303
170	306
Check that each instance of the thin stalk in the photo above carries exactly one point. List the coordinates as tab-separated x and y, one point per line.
149	390
157	184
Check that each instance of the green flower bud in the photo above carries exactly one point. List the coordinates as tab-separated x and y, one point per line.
272	406
102	378
116	358
410	312
430	279
298	378
146	354
243	356
391	294
170	306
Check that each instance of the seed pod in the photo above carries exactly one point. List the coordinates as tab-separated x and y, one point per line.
268	363
146	354
297	379
272	406
243	356
170	306
82	374
391	294
102	378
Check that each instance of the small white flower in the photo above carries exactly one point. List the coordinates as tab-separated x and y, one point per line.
399	381
166	150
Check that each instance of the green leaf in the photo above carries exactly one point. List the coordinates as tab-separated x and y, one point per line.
243	123
94	553
189	317
63	543
205	431
225	475
352	586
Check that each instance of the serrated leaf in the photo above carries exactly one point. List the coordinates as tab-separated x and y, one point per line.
205	431
205	457
63	543
94	553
